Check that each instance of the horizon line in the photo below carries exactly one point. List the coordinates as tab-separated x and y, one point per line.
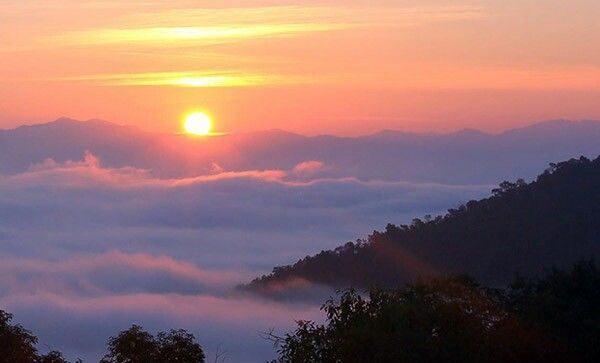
375	133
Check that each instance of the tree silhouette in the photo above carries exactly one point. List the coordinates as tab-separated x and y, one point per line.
17	344
565	304
179	346
52	357
454	319
135	345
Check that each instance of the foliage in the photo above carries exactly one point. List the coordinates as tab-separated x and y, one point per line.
52	357
17	344
554	319
565	304
135	345
179	346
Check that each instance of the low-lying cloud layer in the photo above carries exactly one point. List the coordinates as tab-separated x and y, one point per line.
87	250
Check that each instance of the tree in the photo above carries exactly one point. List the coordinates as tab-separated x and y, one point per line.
179	346
17	344
444	320
135	345
52	357
564	304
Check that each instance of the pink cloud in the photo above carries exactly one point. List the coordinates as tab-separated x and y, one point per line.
90	262
96	272
310	166
89	172
189	308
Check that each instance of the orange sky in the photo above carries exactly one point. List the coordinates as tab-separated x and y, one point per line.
343	67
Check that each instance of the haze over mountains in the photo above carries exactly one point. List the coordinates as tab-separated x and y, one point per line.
464	157
104	225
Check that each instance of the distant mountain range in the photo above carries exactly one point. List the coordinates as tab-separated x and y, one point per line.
466	156
522	228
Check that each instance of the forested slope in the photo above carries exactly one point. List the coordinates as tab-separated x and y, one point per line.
522	227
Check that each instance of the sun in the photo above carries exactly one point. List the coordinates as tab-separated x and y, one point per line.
197	123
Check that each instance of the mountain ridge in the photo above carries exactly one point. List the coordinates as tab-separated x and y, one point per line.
547	124
522	228
461	157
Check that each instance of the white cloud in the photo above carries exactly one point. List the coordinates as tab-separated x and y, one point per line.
88	249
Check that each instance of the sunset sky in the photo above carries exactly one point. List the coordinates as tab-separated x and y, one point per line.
227	138
342	67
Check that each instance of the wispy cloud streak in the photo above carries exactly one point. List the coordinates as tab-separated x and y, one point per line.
184	79
182	26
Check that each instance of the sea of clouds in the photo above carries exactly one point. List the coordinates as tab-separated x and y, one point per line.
88	250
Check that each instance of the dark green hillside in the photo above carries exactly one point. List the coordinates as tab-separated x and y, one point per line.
522	227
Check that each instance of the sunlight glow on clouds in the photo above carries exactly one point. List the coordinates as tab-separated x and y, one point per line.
181	79
238	24
435	65
173	36
180	33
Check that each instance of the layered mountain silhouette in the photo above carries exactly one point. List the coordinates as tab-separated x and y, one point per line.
522	228
466	156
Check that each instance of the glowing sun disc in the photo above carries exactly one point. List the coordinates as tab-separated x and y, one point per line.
197	123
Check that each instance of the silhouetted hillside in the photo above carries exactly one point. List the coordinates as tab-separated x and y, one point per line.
552	221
